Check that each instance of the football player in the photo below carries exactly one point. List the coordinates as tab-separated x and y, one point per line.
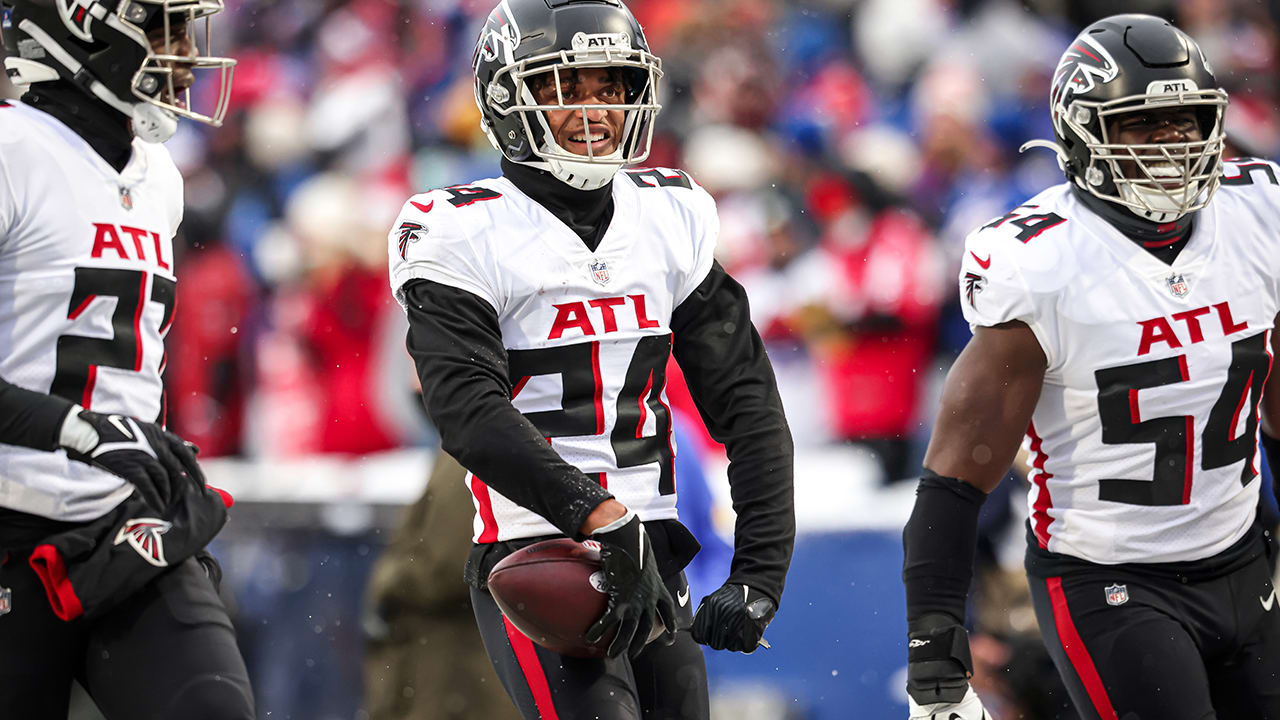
103	514
1124	321
543	308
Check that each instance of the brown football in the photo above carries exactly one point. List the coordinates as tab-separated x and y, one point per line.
553	591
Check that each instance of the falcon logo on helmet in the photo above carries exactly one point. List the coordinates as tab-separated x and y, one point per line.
524	42
1126	64
1084	64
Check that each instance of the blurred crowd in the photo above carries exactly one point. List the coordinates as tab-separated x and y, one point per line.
851	144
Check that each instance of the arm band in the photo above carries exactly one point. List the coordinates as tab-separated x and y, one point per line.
939	542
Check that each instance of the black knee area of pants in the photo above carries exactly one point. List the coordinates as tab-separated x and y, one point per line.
939	542
214	698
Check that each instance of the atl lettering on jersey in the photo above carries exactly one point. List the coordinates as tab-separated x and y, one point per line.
1143	440
89	294
587	333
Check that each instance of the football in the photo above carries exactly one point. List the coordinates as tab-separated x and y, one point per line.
553	591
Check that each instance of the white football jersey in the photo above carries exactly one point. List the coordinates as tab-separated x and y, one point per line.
587	333
86	294
1144	438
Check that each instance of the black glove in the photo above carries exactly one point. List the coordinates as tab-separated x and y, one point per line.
733	618
636	592
153	459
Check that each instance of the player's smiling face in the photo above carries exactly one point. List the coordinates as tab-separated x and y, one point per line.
1154	127
602	128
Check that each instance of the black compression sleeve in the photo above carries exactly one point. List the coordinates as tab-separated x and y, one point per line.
456	343
939	542
732	383
30	419
1271	446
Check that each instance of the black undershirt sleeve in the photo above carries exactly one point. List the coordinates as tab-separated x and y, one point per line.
30	419
732	383
456	343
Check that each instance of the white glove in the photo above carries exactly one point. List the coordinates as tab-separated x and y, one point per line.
970	708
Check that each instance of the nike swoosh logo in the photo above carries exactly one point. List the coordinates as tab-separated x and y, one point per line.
984	264
424	208
1269	601
118	421
683	597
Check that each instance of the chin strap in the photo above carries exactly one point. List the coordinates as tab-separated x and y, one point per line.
1048	144
579	175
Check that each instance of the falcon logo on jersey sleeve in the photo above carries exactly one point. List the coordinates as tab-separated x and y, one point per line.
143	534
408	234
973	284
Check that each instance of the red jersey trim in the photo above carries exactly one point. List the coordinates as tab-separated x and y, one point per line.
1040	519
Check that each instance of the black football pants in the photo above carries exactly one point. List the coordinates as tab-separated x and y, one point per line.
664	683
1133	647
167	652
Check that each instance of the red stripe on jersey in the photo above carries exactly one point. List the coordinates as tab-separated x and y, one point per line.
137	323
604	480
86	399
1189	471
599	397
519	386
1040	510
81	307
1258	412
644	411
1153	244
1133	406
1076	651
1235	416
670	447
534	675
484	506
168	322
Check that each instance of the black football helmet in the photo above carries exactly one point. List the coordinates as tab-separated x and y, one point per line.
101	46
1125	63
525	38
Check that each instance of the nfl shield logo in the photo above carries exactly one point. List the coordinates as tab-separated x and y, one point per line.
1117	594
126	199
1178	285
600	272
6	600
